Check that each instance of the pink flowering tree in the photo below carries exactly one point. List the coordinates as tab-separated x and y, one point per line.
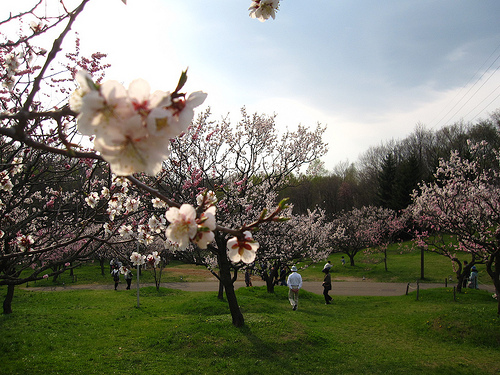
301	239
359	229
46	226
130	128
463	204
232	173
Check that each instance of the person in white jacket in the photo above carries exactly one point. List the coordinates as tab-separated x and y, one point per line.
294	283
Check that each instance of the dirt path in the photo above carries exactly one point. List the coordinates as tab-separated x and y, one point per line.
340	288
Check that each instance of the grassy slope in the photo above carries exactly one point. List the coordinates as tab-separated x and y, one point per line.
176	332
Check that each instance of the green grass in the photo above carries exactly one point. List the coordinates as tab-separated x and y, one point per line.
177	332
403	265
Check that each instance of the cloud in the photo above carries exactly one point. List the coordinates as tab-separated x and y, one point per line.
368	70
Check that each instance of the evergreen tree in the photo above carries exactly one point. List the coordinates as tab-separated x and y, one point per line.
387	182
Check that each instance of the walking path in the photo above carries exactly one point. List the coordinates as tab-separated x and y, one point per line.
340	288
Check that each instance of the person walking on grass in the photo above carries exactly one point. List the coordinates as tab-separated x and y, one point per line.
116	276
473	278
128	277
327	285
294	283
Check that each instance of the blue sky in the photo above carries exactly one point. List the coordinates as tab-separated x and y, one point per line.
368	70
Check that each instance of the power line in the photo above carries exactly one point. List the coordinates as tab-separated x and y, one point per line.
475	83
475	92
482	101
481	111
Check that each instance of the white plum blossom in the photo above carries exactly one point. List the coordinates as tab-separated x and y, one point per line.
263	9
208	198
105	193
24	241
17	165
11	62
185	113
156	225
108	228
120	182
153	259
183	226
242	250
125	231
145	237
144	234
206	226
172	246
137	259
132	204
5	182
158	203
92	199
132	127
37	27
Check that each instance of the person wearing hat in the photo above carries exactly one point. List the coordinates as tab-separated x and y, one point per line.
473	278
327	284
294	283
328	265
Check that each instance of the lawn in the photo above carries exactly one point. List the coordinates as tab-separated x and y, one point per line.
403	266
177	332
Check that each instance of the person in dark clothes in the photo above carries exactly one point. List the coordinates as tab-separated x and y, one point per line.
327	285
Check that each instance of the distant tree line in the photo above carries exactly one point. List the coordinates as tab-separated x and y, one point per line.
385	175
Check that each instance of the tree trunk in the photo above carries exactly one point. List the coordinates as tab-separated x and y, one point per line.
227	282
7	302
269	279
460	283
462	274
101	262
351	259
422	263
385	258
493	269
220	295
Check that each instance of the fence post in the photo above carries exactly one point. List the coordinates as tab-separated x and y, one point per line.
418	289
445	282
407	287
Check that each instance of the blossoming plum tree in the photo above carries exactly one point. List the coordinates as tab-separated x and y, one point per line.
301	239
361	228
236	169
46	226
463	203
130	128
